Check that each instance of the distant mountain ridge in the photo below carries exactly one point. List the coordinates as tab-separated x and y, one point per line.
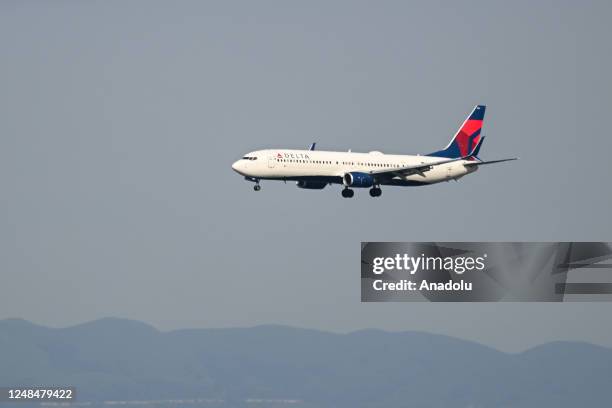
118	359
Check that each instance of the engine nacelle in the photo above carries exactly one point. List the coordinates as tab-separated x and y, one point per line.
312	185
357	179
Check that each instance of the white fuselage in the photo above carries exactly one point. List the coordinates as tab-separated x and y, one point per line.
284	164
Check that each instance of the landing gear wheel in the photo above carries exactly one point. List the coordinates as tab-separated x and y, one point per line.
375	192
347	193
256	187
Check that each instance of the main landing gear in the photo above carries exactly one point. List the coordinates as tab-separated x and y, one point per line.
347	193
375	192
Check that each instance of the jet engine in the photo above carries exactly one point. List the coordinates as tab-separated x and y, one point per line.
358	179
311	185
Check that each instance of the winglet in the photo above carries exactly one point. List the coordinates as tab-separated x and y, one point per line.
476	149
312	146
477	161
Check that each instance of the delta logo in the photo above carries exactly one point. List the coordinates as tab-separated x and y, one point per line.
303	156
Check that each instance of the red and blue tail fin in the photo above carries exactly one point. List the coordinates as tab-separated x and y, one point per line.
467	138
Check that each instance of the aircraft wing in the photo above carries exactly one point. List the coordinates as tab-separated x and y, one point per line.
417	169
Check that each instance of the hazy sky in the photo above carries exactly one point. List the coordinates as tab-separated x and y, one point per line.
119	122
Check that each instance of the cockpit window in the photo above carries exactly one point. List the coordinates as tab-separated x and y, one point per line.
249	158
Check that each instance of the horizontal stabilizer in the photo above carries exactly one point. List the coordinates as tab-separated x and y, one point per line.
479	163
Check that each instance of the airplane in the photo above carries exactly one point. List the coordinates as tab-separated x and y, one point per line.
315	169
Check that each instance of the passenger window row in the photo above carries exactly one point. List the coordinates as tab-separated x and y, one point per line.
344	163
304	161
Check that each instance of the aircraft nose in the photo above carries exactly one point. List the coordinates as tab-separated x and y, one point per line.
236	166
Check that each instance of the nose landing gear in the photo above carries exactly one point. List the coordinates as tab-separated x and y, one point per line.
256	187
